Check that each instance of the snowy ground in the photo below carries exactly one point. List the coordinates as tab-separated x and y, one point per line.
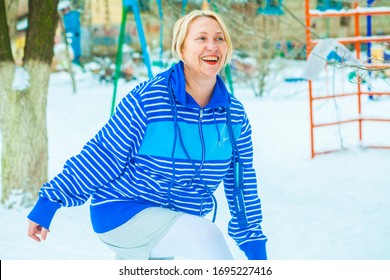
332	207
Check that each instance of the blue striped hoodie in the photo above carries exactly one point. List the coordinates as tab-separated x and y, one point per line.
161	149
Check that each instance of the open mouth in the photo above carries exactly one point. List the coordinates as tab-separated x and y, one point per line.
211	59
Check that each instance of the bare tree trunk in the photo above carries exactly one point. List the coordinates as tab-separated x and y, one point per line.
24	139
11	8
23	112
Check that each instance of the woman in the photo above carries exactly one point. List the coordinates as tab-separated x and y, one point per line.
153	168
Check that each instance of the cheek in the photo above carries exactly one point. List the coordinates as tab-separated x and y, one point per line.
224	49
189	53
185	51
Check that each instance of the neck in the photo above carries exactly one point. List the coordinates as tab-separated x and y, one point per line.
199	87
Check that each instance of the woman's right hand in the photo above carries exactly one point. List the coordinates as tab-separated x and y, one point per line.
35	229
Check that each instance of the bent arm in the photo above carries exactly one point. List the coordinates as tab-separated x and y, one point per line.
248	235
101	160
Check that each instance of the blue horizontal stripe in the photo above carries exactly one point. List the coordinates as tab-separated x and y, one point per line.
159	138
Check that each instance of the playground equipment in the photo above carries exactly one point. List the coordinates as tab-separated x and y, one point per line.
161	15
324	5
356	12
272	8
127	6
71	21
72	29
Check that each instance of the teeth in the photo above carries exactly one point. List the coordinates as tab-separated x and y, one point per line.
210	58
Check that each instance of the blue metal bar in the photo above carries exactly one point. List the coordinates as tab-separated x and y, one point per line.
183	7
369	30
369	45
137	15
160	12
272	8
133	4
118	60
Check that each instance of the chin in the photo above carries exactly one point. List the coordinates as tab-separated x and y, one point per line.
212	72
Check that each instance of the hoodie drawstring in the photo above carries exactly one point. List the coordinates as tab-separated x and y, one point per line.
216	126
177	134
174	111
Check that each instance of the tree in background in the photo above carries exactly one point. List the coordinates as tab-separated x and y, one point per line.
24	159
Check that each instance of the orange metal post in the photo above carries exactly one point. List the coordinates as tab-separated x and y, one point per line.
357	40
357	30
357	49
308	27
308	49
311	119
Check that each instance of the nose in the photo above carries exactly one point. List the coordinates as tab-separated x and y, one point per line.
212	46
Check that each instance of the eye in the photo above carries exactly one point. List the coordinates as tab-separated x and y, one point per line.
202	38
220	39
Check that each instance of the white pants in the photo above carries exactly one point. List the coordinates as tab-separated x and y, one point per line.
160	233
192	237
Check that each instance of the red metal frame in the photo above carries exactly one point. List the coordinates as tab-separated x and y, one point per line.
356	13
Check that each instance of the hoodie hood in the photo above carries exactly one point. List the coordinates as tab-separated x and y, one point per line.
177	82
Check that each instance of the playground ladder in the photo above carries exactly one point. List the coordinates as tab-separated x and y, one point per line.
356	12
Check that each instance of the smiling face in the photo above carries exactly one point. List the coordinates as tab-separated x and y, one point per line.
204	49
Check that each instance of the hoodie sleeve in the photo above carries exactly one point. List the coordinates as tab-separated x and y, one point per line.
248	236
102	159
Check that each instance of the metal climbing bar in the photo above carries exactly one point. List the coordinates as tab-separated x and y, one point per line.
126	6
356	12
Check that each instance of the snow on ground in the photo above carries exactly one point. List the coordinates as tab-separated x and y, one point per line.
333	207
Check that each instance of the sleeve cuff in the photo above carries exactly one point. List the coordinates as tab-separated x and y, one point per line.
255	250
43	212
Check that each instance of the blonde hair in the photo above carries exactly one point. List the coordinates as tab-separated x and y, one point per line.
180	30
